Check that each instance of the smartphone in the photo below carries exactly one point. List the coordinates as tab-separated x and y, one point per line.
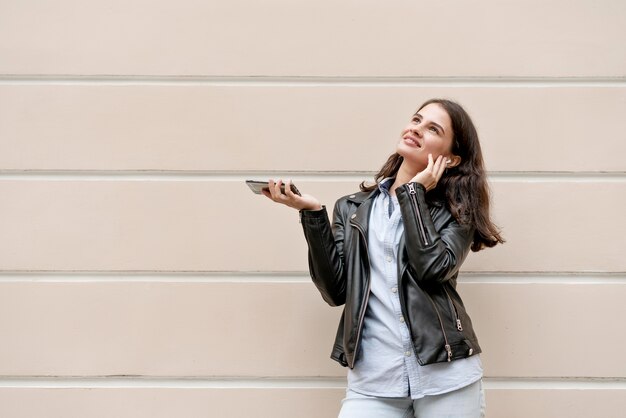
256	186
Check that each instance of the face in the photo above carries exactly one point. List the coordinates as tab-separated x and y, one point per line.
429	132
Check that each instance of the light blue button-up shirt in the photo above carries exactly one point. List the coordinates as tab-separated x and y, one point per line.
386	365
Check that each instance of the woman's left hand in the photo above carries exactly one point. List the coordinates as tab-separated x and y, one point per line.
289	198
432	173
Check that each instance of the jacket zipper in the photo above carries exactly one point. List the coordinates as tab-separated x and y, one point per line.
445	337
420	221
367	296
453	307
417	212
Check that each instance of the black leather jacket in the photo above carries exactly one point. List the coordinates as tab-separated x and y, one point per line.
431	252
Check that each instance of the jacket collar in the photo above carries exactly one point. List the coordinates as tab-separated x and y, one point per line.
364	200
360	197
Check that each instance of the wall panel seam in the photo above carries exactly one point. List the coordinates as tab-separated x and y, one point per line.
312	81
285	383
59	276
309	176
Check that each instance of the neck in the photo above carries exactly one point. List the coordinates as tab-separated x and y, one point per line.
404	175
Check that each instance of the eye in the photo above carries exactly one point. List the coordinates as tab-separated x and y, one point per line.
415	119
435	130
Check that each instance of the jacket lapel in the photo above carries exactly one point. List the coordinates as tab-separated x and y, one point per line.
360	218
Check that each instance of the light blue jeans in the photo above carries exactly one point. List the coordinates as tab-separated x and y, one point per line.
466	402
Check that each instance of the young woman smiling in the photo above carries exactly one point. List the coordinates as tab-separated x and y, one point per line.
392	256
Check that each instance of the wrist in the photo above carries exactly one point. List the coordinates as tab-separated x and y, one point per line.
313	207
312	213
418	183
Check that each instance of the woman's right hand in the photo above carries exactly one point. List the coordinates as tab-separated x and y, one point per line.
430	176
289	198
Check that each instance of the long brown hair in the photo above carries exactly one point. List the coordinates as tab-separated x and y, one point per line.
464	188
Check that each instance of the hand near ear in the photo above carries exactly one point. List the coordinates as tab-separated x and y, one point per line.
432	173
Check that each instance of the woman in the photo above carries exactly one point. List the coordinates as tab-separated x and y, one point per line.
392	257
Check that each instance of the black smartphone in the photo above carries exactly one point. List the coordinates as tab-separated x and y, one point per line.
256	186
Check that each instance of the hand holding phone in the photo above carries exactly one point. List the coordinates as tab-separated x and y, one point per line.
289	197
257	187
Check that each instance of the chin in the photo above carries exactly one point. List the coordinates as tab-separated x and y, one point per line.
414	159
406	151
401	149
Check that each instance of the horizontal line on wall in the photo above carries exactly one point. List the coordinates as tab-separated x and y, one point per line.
544	277
293	277
317	176
57	276
576	383
312	81
122	382
170	382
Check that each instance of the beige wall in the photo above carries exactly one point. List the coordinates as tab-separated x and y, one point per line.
139	277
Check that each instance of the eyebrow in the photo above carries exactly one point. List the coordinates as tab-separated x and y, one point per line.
434	123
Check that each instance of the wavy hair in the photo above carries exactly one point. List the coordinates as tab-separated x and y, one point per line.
464	188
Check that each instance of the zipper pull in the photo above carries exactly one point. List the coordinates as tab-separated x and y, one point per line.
449	350
411	188
458	325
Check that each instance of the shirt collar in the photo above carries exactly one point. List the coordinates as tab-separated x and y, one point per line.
385	184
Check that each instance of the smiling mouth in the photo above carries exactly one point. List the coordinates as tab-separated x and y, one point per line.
412	141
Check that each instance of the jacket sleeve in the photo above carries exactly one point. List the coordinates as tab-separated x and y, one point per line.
325	243
434	256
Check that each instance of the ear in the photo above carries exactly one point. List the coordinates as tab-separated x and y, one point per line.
454	161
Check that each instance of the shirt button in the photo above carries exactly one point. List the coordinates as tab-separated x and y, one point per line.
353	216
394	289
407	353
352	196
402	320
389	259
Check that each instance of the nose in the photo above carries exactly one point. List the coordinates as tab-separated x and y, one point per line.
416	130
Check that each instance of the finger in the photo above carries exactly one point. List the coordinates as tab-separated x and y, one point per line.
279	193
438	163
266	193
288	191
271	189
441	170
430	162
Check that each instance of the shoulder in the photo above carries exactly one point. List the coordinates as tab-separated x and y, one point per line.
356	197
347	204
353	199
